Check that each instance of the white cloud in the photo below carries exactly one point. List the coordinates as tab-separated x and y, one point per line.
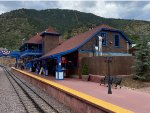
101	8
147	7
108	9
3	9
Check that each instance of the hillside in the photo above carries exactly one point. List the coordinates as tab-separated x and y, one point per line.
24	23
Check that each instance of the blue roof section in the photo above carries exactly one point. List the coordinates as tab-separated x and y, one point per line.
15	53
12	54
31	54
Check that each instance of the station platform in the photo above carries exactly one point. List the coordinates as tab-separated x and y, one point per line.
120	101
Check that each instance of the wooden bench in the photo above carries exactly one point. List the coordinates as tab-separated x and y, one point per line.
114	80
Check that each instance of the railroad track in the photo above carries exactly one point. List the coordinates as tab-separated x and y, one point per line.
32	101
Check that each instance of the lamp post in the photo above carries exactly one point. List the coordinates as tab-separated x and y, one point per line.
108	60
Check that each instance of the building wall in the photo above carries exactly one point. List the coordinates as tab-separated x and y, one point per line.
111	47
87	50
89	47
50	42
120	65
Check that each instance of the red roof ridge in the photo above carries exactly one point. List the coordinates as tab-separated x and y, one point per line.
105	26
36	39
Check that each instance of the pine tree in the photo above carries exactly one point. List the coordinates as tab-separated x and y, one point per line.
142	62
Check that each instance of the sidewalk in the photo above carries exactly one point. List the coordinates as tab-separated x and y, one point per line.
136	101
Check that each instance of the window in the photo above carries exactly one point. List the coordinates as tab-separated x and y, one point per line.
104	39
96	44
117	41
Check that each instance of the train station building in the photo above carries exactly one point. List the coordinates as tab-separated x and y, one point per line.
47	50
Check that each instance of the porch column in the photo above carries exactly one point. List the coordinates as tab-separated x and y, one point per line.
79	65
59	63
59	73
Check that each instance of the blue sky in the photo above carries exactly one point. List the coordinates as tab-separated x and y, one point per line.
110	9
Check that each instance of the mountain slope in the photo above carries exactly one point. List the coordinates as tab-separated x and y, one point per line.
24	23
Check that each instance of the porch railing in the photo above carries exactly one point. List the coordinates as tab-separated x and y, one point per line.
29	51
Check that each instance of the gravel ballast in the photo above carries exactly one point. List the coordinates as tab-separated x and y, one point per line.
13	99
9	101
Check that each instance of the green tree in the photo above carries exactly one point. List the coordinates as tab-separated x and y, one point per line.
142	61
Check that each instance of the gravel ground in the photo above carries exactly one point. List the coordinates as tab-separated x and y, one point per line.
145	89
9	101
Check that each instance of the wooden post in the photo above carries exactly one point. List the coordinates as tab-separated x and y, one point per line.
79	65
59	63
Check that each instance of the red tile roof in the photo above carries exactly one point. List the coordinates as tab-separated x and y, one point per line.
75	41
37	39
51	30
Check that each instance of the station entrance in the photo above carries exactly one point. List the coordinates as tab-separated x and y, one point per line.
68	62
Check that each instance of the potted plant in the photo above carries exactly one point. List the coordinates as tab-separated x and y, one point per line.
85	72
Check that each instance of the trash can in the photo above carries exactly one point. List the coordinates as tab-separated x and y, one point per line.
59	75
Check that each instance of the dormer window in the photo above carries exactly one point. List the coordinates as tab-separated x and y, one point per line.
104	39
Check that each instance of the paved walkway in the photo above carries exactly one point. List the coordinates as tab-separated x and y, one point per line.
136	101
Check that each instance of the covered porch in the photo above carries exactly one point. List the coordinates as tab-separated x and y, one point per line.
60	65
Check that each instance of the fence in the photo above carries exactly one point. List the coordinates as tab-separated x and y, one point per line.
120	65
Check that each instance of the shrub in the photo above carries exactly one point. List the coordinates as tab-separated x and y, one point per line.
85	69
